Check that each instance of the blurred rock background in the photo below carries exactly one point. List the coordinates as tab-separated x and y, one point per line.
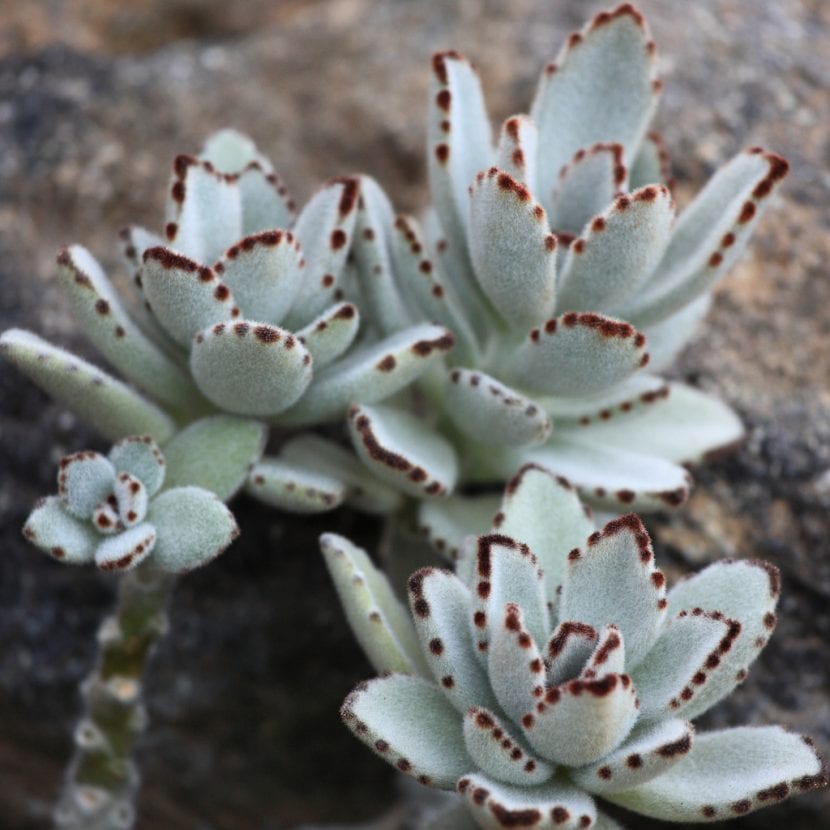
96	98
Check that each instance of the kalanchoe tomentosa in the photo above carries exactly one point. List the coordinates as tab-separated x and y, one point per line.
542	675
111	510
542	253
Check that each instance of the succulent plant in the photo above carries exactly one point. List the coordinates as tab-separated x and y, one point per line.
549	671
556	259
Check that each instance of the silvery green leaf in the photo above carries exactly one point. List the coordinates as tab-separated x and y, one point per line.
578	355
372	242
514	662
215	453
294	488
649	751
192	527
441	609
370	374
105	517
557	805
264	272
608	654
611	476
618	250
185	296
651	165
250	368
492	413
123	551
379	620
106	404
568	649
518	150
58	533
682	662
324	456
729	773
131	497
141	457
545	513
612	579
497	752
85	480
324	228
666	338
204	210
266	203
97	308
230	151
447	522
512	248
602	87
328	336
408	722
710	235
586	186
680	424
745	591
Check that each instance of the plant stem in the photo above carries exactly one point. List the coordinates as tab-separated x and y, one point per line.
101	780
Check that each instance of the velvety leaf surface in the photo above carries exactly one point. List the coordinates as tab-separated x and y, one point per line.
293	488
518	150
447	522
651	165
568	650
141	457
330	334
266	203
125	550
131	498
85	479
667	338
58	533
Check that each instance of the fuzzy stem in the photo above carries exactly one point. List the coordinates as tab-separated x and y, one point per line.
101	780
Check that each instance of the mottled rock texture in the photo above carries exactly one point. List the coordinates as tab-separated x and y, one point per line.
96	98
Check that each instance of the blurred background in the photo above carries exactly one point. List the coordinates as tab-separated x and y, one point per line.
98	96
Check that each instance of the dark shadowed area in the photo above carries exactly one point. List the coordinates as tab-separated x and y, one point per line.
98	96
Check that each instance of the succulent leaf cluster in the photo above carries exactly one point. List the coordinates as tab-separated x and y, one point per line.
113	510
554	668
556	257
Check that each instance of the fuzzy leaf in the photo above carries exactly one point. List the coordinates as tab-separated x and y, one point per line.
440	606
58	533
370	374
141	457
601	88
666	338
250	368
587	185
215	453
545	513
613	580
264	272
498	753
266	203
651	164
578	354
106	404
618	251
650	750
557	805
512	248
294	488
407	721
192	527
568	650
131	497
446	523
85	480
229	151
97	308
125	550
379	620
728	773
608	654
518	150
327	337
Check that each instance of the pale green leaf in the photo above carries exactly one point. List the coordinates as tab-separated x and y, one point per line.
447	522
123	551
61	535
294	488
651	165
140	456
131	497
330	334
85	479
518	150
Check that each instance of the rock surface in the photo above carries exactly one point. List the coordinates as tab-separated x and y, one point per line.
95	100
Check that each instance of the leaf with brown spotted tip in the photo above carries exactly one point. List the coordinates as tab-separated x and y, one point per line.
58	533
408	722
125	550
518	149
651	165
230	151
577	355
327	337
141	457
446	523
568	650
264	272
512	248
617	252
401	449
556	805
85	480
379	620
293	488
492	413
728	774
266	202
250	368
192	527
131	498
650	750
106	404
601	87
667	338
